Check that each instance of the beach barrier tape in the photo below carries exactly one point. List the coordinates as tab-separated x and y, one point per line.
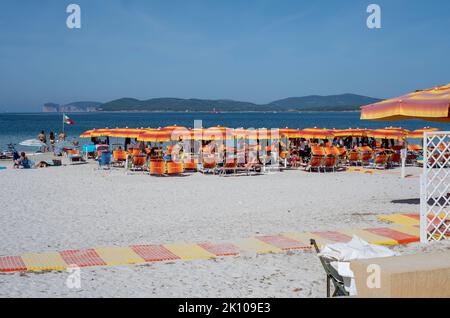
404	231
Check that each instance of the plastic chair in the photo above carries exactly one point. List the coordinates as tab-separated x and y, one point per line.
104	160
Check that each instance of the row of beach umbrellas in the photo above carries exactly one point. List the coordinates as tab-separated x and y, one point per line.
171	133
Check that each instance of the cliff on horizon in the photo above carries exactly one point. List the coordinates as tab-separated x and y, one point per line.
75	107
342	102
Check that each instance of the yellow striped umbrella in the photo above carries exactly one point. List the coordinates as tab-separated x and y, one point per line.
386	134
213	133
87	133
418	133
289	133
350	132
316	133
428	104
260	133
126	132
155	135
104	132
178	132
399	129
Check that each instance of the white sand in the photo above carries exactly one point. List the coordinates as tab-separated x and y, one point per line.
80	207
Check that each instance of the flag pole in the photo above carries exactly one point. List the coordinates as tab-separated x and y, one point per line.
63	123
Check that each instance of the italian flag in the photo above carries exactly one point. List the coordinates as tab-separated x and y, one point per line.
67	120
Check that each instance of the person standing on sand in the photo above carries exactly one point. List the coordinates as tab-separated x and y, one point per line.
62	136
51	136
42	138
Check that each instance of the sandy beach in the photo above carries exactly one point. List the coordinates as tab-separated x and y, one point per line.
79	206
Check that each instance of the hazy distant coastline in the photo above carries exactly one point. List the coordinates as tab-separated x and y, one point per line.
331	103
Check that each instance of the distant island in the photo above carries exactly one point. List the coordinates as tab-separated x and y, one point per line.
342	102
72	107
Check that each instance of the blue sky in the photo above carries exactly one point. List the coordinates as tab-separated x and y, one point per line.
251	50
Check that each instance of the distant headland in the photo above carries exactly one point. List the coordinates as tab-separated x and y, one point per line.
342	102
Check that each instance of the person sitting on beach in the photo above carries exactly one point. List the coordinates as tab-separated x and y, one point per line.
75	143
23	162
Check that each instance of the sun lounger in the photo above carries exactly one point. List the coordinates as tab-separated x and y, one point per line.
316	162
119	158
332	275
365	157
380	161
175	168
395	159
89	151
190	164
157	167
353	158
138	162
249	169
227	167
208	166
330	163
74	156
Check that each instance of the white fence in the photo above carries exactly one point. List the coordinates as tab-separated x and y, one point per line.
435	187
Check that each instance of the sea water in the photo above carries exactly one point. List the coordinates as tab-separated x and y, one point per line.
16	127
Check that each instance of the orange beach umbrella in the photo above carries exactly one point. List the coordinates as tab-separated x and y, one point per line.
386	134
418	133
104	132
126	132
428	104
316	133
155	135
350	132
289	133
87	133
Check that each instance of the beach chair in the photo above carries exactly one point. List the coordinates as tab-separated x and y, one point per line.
353	157
138	163
190	164
395	159
104	161
380	160
89	151
331	158
330	163
134	151
342	157
209	166
119	158
414	152
157	167
332	275
251	167
228	166
175	168
316	162
74	156
365	155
